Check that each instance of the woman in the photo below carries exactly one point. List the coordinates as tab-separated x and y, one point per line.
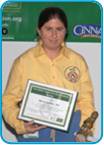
50	62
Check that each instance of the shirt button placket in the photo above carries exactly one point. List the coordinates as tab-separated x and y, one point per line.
53	75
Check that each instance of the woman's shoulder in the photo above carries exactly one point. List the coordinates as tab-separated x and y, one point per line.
74	54
26	56
28	53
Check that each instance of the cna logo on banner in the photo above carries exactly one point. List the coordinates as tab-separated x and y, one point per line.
87	30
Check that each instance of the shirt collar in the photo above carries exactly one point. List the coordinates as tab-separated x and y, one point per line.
40	51
65	50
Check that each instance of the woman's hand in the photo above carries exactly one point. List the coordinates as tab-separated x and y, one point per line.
80	138
32	127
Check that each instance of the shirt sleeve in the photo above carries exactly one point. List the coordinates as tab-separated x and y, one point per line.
85	102
11	97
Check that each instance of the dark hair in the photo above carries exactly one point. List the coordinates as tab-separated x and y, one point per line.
52	12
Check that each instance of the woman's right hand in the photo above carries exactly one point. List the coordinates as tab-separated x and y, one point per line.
32	127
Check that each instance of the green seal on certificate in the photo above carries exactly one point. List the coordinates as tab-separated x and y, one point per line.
47	105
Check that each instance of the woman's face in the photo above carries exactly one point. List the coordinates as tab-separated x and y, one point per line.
52	33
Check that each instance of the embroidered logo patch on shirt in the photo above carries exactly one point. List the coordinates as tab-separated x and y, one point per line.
72	73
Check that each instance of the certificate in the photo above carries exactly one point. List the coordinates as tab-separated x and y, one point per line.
47	105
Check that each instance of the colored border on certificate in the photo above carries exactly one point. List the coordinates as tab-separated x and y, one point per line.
71	99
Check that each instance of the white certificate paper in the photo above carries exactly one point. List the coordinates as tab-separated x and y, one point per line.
47	105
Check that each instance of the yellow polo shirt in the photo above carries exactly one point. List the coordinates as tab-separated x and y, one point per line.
68	70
